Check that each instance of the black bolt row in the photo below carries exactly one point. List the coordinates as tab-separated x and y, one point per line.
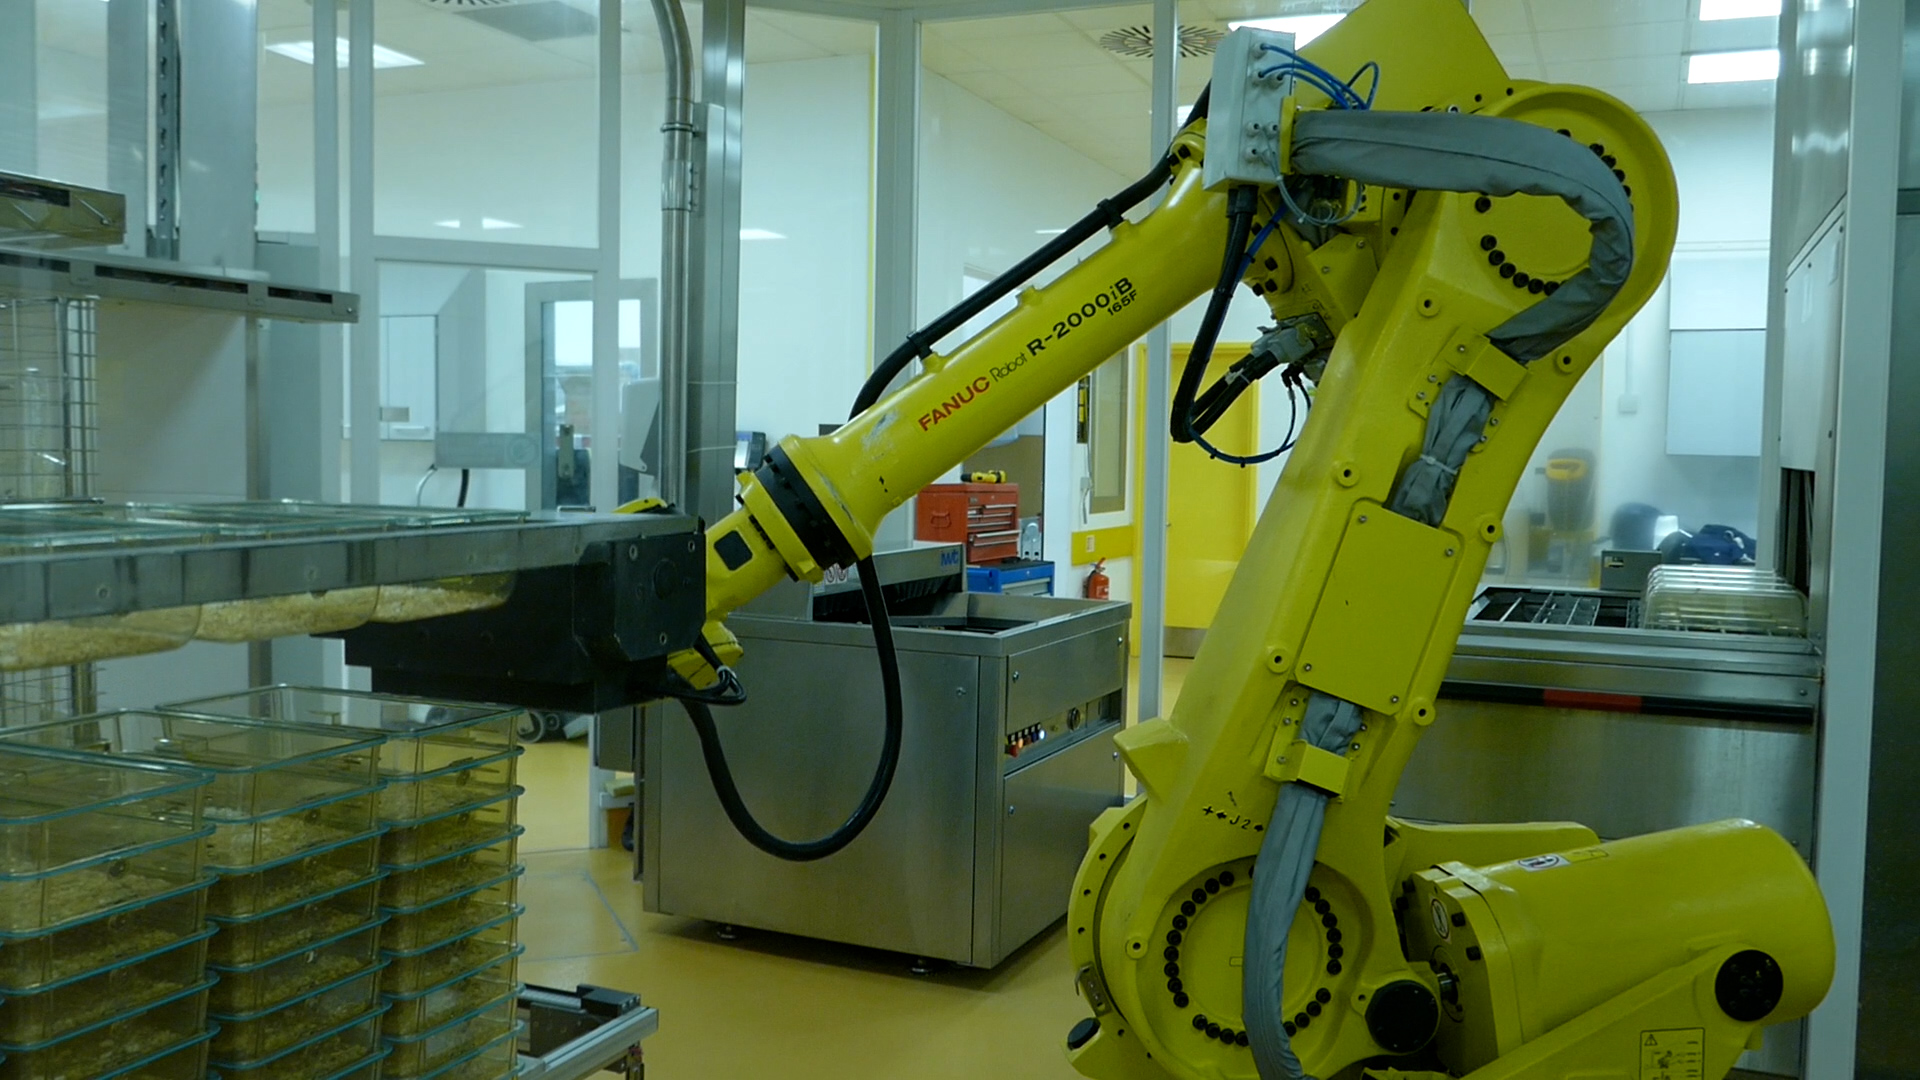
1214	1031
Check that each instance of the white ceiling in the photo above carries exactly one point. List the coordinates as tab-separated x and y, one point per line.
1046	69
1050	71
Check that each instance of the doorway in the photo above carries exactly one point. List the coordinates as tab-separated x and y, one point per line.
1211	509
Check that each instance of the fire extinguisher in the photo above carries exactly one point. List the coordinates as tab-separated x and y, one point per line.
1098	583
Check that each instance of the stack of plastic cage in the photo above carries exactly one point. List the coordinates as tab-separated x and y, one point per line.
103	921
450	856
293	843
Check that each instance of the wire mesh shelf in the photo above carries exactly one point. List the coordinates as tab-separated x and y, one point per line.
48	423
48	430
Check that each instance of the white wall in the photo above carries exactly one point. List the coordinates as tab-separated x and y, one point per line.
805	300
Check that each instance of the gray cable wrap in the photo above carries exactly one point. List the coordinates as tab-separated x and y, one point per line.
1492	155
1286	860
1454	424
1445	152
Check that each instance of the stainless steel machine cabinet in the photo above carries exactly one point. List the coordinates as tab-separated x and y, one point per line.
1007	757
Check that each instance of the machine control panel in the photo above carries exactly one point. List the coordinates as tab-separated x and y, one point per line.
1033	738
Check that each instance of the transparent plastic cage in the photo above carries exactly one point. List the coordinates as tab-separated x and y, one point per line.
44	957
424	737
263	774
82	835
415	1055
496	1060
423	1010
256	1037
186	1061
275	885
416	884
254	938
60	642
126	987
344	1048
1726	599
417	970
111	1046
455	831
254	988
429	924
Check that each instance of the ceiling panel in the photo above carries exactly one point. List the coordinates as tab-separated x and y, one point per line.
1627	71
1057	82
1503	16
1601	14
1726	95
944	56
1608	42
1661	96
1106	18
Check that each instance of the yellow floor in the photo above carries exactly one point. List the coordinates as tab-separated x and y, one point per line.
769	1005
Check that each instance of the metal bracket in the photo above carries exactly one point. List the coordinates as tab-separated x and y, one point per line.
1309	765
573	1034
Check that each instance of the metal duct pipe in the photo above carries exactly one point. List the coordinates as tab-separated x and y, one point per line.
676	251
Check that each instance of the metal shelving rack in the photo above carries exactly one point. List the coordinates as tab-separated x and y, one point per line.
49	303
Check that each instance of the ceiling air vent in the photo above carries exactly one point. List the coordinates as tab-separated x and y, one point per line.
1137	41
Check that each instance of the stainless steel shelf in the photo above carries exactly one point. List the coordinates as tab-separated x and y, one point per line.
110	580
155	281
1726	669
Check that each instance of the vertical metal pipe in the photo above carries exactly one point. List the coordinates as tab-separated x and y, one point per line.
326	227
676	250
712	358
1157	453
605	485
364	409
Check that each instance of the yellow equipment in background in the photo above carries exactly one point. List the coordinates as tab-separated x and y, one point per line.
1257	911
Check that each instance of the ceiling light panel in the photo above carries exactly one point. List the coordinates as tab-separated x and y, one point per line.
1715	10
1304	28
1745	65
383	57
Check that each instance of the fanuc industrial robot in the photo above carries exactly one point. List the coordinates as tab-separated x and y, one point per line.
1445	250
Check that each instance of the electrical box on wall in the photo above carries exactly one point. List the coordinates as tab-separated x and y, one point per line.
1243	111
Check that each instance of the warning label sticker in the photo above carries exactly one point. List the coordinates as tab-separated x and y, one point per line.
1673	1054
1543	862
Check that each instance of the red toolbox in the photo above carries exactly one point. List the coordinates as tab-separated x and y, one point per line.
984	517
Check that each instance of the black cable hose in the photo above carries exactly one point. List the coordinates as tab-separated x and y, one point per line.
920	343
729	792
1241	203
466	475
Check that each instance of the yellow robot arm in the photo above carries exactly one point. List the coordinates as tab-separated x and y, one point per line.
1257	912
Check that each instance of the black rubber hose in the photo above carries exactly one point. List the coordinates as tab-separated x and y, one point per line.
466	475
729	792
920	343
1241	203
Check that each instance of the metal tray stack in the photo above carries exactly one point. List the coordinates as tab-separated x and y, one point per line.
292	816
449	856
103	927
